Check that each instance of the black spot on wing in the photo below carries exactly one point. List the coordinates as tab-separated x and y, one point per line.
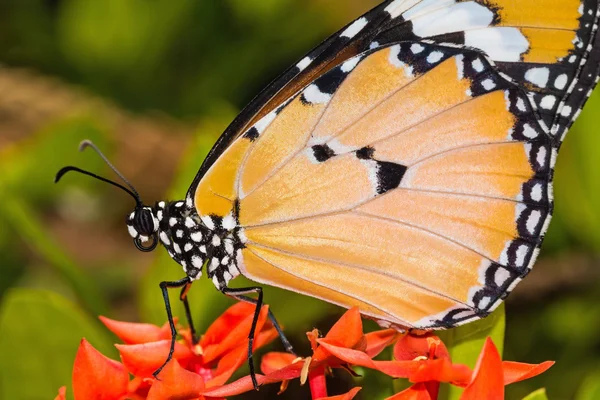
329	82
251	134
389	176
366	153
322	152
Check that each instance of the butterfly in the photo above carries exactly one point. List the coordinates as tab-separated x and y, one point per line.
404	166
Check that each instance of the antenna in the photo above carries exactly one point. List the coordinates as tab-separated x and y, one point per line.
88	143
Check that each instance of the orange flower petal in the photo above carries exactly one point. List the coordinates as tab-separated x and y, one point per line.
354	357
227	366
516	371
143	359
62	393
275	360
488	378
176	383
96	376
347	331
240	386
440	370
417	391
136	333
411	346
223	325
346	396
379	340
236	335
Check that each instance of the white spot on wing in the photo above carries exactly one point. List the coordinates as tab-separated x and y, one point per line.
440	20
566	111
548	102
537	192
434	57
533	221
349	65
538	76
394	52
354	28
302	64
265	122
477	65
397	7
460	66
500	43
488	84
561	81
313	94
529	132
416	48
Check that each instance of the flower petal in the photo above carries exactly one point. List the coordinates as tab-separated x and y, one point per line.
62	393
235	335
227	366
488	378
417	391
379	340
354	357
440	370
411	346
346	396
96	376
516	371
276	360
240	386
143	359
136	333
223	325
176	383
347	331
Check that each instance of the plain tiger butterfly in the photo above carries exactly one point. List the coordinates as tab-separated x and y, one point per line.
403	166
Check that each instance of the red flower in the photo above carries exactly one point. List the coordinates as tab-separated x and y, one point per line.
421	358
200	371
487	381
194	369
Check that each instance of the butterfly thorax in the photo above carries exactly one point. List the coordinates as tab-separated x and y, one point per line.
194	241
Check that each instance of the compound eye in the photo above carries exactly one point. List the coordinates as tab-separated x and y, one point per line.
144	222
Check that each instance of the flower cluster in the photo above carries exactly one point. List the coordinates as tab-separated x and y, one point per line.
200	371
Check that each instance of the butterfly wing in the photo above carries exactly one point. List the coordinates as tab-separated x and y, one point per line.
412	180
544	45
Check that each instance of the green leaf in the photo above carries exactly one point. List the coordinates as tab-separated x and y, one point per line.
590	389
539	394
41	332
465	343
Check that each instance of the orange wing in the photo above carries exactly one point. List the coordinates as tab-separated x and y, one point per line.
412	181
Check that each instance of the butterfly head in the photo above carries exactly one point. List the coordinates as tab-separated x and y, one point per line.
142	225
143	222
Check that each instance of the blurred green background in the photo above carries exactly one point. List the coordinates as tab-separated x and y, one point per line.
153	83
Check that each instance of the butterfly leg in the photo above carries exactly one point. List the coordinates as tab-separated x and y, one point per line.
164	287
184	299
286	343
259	301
